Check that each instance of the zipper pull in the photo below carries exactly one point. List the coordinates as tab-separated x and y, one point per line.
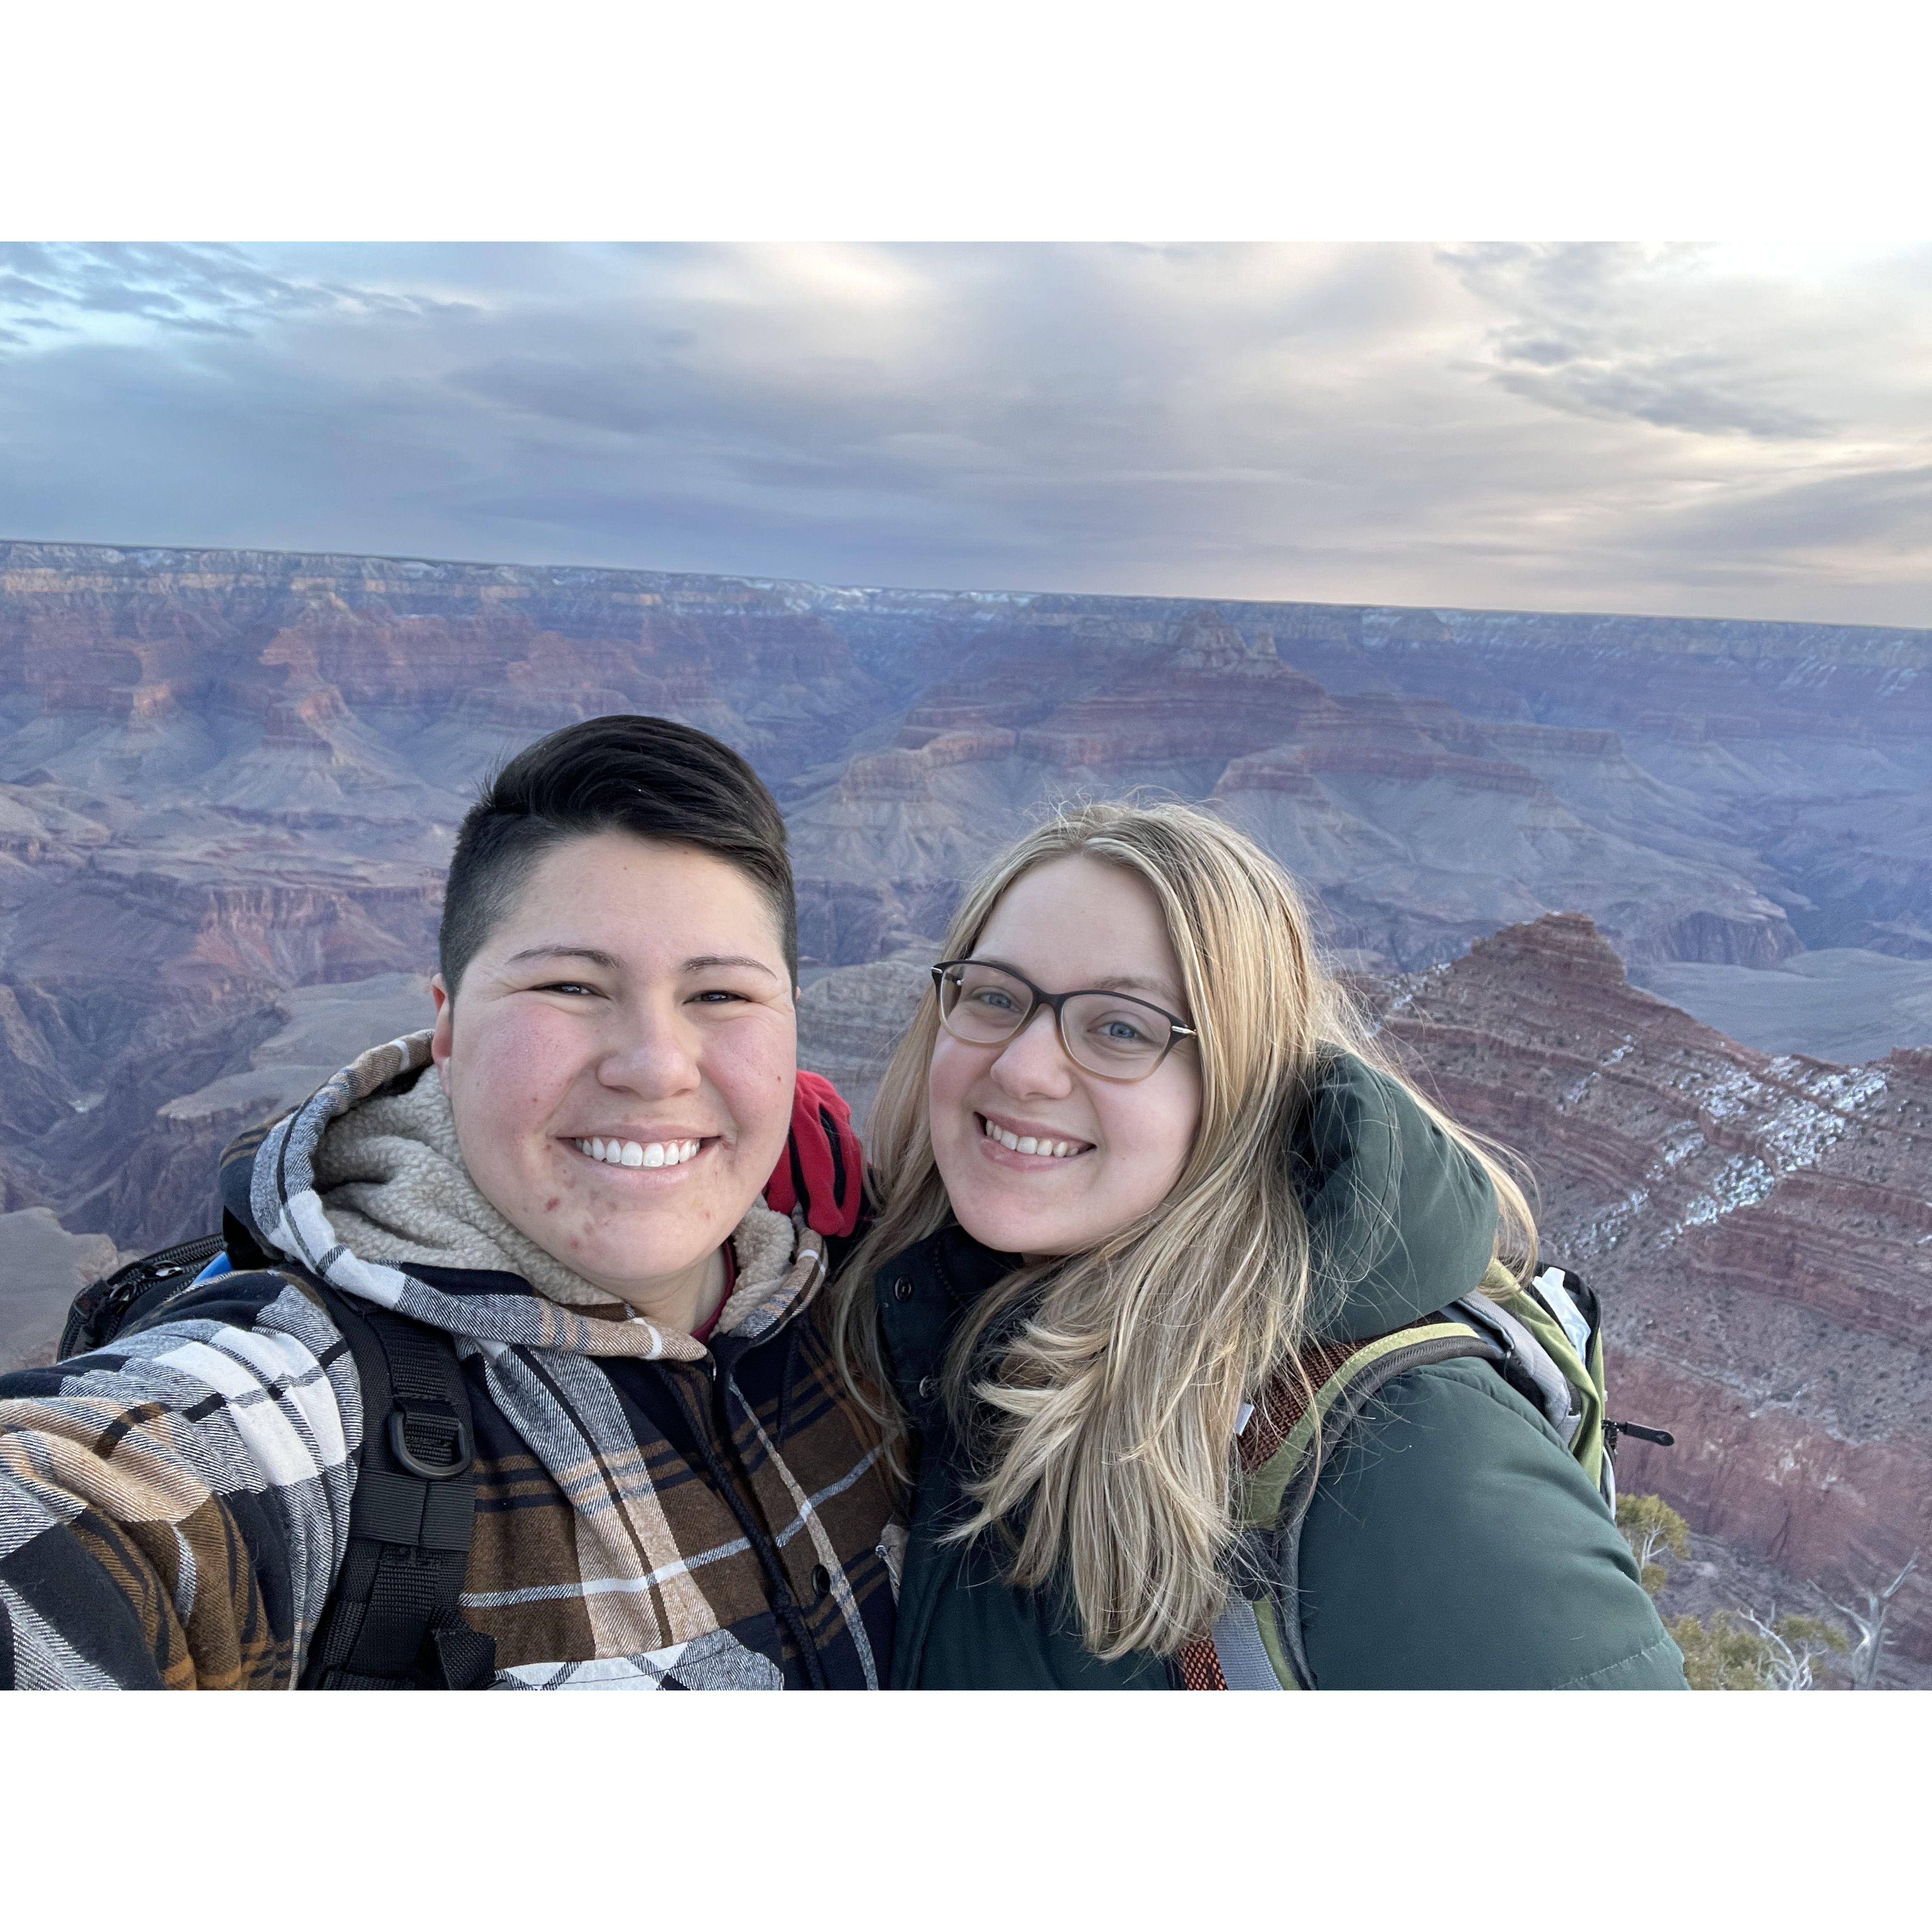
1612	1430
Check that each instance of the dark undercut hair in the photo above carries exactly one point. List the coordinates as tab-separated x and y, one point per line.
647	776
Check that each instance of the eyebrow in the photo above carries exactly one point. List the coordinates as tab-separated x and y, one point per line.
1132	982
1112	982
705	962
589	952
702	963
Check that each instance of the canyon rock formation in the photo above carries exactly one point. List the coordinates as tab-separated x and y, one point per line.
229	782
42	1268
1758	1226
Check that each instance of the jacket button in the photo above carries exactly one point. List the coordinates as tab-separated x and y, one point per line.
927	1389
902	1289
821	1580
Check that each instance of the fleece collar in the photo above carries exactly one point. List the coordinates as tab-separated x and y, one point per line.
364	1185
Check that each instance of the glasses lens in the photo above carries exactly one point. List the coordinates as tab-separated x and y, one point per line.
1109	1034
981	1004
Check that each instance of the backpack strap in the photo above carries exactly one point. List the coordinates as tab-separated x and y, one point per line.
1256	1643
1553	1329
391	1622
1527	1362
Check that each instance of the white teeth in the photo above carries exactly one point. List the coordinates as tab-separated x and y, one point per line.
632	1154
1031	1143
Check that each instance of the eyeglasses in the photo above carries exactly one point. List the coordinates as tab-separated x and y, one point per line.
1112	1034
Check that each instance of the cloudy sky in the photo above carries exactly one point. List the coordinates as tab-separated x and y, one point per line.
1697	429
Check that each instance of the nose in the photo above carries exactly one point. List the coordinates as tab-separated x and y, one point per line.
653	1054
1034	1061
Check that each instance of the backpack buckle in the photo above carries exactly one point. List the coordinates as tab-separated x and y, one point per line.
438	1422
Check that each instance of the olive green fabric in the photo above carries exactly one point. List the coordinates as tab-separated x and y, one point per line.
1455	1543
1396	1209
1452	1541
1585	1378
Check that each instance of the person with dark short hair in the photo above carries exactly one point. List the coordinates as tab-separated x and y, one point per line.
597	1199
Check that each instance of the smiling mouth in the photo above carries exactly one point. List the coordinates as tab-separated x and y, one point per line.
641	1153
1041	1144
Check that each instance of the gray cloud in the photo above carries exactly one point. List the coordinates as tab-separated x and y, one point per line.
1881	509
1601	426
1614	329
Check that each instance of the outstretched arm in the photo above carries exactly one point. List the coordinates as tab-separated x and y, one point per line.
173	1508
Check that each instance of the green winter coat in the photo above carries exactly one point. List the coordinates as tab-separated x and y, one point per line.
1453	1542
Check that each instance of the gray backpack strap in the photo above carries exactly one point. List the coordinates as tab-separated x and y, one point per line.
1240	1650
1525	1365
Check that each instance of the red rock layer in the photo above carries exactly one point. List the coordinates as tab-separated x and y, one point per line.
1760	1227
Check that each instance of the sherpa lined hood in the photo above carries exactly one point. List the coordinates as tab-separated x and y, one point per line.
364	1185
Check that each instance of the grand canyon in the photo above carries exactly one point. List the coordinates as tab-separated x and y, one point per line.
1648	899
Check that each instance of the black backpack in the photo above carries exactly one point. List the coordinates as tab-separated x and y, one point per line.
391	1621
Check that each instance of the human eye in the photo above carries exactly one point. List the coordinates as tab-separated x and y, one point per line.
570	989
1117	1032
994	999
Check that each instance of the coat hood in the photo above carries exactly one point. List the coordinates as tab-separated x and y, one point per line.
1401	1219
363	1186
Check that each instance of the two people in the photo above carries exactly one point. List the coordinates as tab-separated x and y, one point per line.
1135	1167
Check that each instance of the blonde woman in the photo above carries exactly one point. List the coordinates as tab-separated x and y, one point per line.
1138	1167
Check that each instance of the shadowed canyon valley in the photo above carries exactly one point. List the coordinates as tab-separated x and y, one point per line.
1539	844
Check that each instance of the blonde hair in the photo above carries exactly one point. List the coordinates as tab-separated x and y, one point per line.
1103	1444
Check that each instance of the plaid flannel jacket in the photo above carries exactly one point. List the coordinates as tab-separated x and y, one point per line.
174	1508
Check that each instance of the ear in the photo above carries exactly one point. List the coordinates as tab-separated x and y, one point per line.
443	1032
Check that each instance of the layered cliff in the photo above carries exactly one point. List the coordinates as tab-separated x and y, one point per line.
1760	1228
1415	827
